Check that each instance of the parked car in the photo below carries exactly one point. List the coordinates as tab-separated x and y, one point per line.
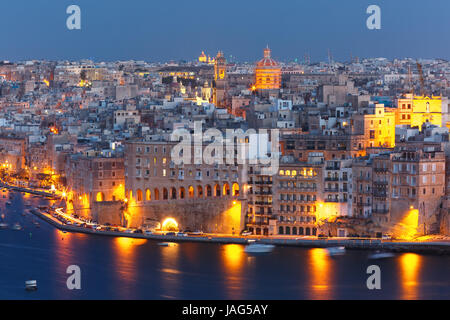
170	233
246	233
137	231
181	234
194	233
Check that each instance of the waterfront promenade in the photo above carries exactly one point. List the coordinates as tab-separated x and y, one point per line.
435	247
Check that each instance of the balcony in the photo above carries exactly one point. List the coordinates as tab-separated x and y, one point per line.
363	204
262	192
381	211
263	182
263	203
336	200
380	194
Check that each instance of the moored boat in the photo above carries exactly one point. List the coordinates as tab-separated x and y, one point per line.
380	255
31	285
17	227
167	244
259	248
336	251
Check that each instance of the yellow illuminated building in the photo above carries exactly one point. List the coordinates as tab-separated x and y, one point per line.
203	58
379	128
267	73
417	110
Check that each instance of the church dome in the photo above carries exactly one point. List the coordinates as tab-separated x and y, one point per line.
267	73
267	61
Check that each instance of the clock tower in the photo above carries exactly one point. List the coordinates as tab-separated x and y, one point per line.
220	80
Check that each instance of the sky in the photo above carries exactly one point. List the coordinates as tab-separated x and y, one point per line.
164	30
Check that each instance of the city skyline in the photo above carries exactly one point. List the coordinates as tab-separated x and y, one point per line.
114	32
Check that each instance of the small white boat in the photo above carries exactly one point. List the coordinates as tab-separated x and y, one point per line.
31	285
3	225
17	227
167	244
336	251
259	248
380	255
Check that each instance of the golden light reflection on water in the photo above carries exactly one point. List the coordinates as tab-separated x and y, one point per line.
320	274
125	264
233	260
64	255
410	264
170	271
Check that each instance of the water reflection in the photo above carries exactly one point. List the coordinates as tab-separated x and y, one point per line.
319	269
170	271
410	264
63	258
233	259
125	265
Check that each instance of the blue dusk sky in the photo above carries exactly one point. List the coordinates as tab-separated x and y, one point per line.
157	30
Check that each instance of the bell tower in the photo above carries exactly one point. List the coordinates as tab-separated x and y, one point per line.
220	80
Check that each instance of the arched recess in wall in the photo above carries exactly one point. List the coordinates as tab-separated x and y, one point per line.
226	189
173	193
235	188
100	197
216	190
182	193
